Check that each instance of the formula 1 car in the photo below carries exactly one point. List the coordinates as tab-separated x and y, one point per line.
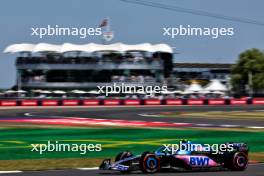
162	160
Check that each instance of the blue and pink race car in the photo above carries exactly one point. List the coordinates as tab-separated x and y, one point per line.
169	160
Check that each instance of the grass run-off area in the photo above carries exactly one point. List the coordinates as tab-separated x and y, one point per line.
15	144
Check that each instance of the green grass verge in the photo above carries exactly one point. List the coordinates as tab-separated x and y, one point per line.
15	142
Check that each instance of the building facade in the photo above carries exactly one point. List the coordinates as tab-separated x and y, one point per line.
45	66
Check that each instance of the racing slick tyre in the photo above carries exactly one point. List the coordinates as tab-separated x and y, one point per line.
149	163
124	155
238	162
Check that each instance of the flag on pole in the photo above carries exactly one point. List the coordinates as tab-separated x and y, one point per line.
104	23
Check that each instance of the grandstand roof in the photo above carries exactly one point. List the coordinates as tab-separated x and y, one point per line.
90	47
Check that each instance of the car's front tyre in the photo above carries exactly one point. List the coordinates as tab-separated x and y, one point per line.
149	163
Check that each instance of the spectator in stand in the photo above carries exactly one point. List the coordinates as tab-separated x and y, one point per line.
141	79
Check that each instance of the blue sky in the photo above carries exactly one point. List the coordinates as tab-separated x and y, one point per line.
131	24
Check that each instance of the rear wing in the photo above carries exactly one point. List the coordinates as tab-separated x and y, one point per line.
241	147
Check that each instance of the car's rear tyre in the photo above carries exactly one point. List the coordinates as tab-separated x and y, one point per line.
238	162
124	155
149	163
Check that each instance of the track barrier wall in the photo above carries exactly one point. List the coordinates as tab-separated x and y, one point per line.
90	102
129	102
111	102
49	102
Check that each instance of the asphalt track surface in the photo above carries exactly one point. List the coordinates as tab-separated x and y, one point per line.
253	170
132	113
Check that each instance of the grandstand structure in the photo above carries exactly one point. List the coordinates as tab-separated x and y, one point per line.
86	66
202	72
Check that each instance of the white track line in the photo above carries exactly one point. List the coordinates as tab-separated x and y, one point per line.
183	123
256	127
160	122
204	124
88	168
28	114
208	125
9	172
148	115
229	126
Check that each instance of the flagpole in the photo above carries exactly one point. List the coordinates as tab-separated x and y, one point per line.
108	24
107	34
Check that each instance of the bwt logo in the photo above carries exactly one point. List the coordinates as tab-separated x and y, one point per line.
199	161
